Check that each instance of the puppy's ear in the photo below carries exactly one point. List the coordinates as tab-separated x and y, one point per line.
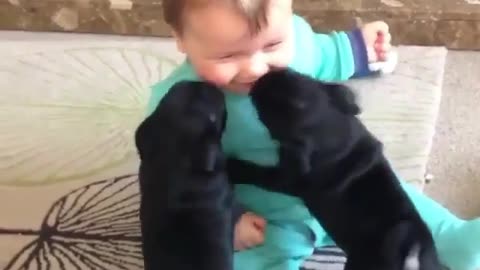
209	154
212	146
342	98
216	122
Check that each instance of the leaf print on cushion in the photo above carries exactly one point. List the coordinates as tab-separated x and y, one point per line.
72	113
94	227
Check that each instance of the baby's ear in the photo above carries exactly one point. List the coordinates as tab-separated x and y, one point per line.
342	97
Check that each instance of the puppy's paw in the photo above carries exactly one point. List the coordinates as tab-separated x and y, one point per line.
406	246
410	246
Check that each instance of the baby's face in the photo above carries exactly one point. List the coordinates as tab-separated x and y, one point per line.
222	50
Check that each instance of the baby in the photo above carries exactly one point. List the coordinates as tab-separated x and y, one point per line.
231	43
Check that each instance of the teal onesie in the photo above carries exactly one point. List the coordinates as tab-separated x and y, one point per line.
292	233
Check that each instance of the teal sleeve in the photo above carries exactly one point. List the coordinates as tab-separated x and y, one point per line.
327	57
334	55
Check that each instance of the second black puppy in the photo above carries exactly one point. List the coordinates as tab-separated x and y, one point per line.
328	158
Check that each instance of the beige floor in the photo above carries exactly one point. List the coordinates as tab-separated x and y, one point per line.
455	155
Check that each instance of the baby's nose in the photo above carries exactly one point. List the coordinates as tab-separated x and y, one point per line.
256	66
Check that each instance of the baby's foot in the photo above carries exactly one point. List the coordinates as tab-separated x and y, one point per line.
459	245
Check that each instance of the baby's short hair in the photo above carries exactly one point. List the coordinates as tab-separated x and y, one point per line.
254	11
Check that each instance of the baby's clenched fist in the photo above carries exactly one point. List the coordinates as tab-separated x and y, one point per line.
249	231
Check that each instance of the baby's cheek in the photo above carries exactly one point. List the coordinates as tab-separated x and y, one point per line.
281	58
219	74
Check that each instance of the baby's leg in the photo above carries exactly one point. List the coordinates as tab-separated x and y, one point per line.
457	240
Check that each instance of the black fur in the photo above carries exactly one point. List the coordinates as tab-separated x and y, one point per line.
186	201
328	158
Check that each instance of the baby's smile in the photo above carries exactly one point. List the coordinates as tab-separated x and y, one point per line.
224	50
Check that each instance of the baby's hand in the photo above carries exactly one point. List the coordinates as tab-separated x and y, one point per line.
249	231
377	40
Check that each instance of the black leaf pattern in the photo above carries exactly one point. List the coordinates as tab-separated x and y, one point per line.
94	227
97	227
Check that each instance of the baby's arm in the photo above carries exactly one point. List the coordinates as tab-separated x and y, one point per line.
360	53
339	56
377	40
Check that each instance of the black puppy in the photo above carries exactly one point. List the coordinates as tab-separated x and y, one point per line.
328	158
186	201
